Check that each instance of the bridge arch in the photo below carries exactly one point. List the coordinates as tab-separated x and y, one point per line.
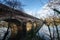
16	28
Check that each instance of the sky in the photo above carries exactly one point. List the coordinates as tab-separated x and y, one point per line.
33	6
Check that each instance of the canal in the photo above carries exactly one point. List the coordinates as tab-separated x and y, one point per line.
44	32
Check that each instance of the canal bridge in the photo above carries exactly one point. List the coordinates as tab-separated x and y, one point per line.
23	22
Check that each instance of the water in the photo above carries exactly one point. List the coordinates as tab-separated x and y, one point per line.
44	32
3	30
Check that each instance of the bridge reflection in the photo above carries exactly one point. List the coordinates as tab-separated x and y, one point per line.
19	29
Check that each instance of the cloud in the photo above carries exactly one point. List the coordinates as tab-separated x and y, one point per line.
32	12
28	11
45	11
41	13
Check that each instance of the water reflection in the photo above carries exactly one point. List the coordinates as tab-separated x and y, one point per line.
44	32
3	30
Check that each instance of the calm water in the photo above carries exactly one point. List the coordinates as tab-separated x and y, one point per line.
3	31
44	32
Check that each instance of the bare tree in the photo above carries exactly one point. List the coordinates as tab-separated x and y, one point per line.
13	4
56	24
52	5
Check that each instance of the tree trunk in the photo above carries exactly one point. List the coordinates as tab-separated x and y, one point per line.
49	31
57	32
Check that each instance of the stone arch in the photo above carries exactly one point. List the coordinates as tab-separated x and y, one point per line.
35	24
16	28
29	25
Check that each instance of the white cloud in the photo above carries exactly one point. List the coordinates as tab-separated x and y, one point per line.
44	12
32	12
28	11
47	11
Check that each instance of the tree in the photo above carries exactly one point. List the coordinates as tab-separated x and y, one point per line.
55	23
13	4
47	22
56	11
54	4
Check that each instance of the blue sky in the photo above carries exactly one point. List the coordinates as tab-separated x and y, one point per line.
33	5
